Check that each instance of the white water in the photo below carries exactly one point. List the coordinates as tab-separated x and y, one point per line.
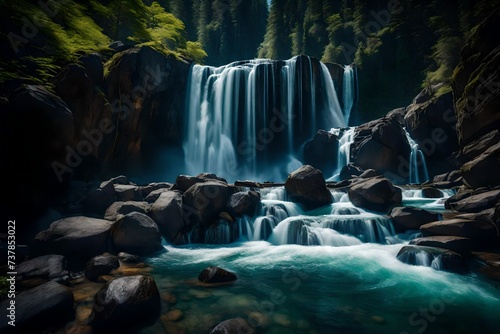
258	110
348	91
418	166
344	150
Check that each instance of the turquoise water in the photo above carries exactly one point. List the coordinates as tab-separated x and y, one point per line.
361	288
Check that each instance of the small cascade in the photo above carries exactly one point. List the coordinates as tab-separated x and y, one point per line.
221	233
348	92
344	153
418	166
257	110
419	257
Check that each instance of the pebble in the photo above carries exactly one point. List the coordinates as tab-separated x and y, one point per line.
173	315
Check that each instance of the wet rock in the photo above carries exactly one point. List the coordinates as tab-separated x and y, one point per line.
216	275
429	192
41	308
75	237
46	266
101	265
233	326
437	258
118	209
460	245
136	233
318	151
307	186
167	213
410	218
350	171
377	194
128	258
243	203
124	304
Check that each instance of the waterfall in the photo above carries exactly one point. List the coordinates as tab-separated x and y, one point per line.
348	91
418	166
344	150
420	257
256	111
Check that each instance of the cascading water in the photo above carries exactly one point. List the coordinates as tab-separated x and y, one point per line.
258	110
418	165
348	91
344	150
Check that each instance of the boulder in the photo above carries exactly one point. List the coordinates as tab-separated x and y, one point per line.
483	170
243	203
125	304
203	202
437	258
307	186
118	209
369	173
92	63
75	237
320	151
479	232
128	258
432	126
460	245
377	194
410	218
216	275
39	309
155	194
382	145
136	233
47	266
350	171
121	179
479	146
167	213
127	193
233	326
461	194
98	200
476	203
101	265
146	190
430	192
184	182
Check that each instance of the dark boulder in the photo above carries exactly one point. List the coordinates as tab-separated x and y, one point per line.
409	218
477	202
479	146
483	170
155	194
321	150
459	245
100	265
125	304
437	258
167	213
216	275
128	258
481	233
233	326
184	182
74	237
136	233
127	193
146	190
377	194
118	209
39	309
307	186
243	203
350	171
47	266
430	192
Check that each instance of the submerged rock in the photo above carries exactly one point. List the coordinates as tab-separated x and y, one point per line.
307	186
437	258
233	326
125	303
377	194
216	275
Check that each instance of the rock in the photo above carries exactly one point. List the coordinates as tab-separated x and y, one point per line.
448	180
233	326
125	304
155	194
127	193
118	209
98	200
320	150
146	190
476	203
398	114
121	180
382	145
46	266
429	192
437	258
203	202
460	245
248	184
100	265
432	126
483	170
39	309
350	171
479	232
410	218
94	67
377	194
307	186
167	213
369	173
479	146
74	237
173	315
461	194
128	258
136	233
243	203
184	182
216	275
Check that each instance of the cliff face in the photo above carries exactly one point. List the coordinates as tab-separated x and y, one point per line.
476	89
